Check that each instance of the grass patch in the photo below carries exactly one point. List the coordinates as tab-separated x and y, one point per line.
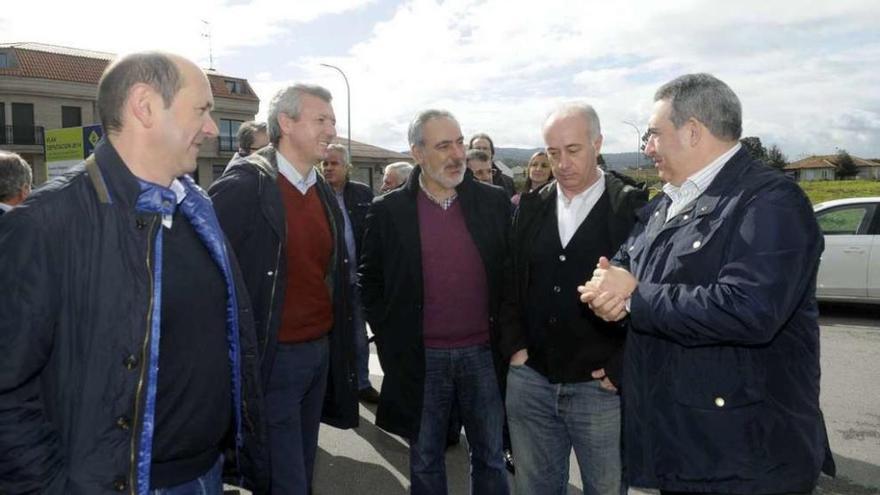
817	190
826	190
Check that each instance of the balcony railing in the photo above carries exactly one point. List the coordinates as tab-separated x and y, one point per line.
23	135
227	143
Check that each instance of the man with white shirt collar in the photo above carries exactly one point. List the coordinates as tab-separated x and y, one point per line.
15	180
564	361
285	226
717	284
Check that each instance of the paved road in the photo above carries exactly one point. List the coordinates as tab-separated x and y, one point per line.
369	461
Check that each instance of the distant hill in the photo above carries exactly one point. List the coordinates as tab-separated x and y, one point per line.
616	161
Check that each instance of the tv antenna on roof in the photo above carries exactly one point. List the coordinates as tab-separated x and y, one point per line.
207	34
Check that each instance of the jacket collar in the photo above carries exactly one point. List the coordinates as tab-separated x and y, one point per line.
617	186
727	177
114	183
265	160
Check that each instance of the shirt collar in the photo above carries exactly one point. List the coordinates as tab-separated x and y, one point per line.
179	190
443	203
5	207
583	195
700	181
290	173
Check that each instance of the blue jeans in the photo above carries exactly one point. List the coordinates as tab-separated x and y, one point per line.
547	420
294	398
362	346
466	376
210	483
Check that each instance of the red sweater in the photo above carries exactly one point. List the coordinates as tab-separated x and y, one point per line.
308	310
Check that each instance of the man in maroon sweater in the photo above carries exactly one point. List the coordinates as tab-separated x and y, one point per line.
431	274
285	226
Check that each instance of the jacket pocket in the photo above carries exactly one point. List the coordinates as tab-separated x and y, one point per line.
718	378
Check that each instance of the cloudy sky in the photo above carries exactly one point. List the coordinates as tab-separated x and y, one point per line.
807	72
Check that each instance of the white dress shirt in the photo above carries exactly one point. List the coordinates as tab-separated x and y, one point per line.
180	193
696	184
571	213
302	184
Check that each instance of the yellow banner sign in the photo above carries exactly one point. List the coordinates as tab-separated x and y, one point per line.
64	144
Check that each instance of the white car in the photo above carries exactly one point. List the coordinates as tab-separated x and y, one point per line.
850	266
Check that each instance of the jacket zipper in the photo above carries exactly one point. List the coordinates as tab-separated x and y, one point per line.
268	320
145	363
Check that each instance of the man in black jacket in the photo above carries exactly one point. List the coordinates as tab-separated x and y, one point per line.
564	361
431	275
354	199
286	229
129	357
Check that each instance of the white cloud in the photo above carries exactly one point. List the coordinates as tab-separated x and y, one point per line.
172	25
806	73
502	65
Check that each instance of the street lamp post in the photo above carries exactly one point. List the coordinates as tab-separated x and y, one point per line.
638	143
348	105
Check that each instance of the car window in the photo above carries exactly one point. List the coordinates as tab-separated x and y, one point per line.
845	220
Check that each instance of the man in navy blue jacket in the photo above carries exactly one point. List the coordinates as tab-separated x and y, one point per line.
354	199
717	284
129	355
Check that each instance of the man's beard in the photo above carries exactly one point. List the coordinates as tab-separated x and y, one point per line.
444	180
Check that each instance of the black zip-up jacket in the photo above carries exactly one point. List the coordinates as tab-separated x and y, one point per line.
625	197
358	197
79	334
392	288
251	212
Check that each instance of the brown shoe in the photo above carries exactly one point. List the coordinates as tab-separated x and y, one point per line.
368	395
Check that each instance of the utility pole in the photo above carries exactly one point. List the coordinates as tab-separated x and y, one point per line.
638	143
207	35
348	104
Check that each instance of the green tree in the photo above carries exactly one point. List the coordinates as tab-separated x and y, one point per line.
754	147
775	158
846	166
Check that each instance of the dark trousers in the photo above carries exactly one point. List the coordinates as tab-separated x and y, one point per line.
294	398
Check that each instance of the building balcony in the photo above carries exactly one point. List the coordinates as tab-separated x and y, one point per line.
21	135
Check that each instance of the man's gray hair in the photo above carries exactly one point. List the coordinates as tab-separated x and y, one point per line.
15	173
402	169
584	110
247	132
478	155
342	150
707	99
416	133
288	101
156	69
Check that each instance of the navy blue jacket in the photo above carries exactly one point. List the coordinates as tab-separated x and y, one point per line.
79	333
721	368
358	197
251	211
